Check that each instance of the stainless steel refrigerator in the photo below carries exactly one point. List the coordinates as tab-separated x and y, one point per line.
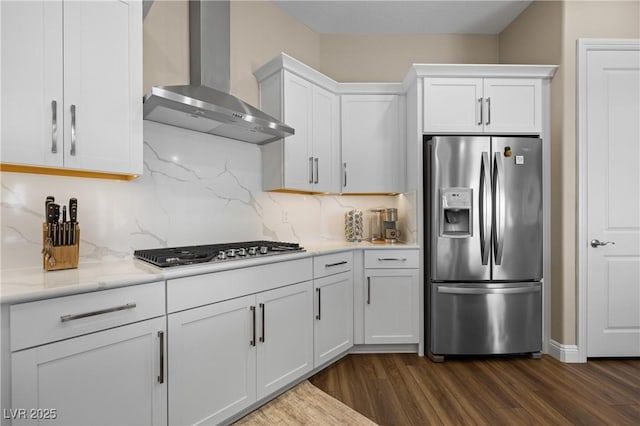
483	245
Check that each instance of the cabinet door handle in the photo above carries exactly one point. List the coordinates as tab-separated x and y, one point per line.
315	162
65	318
54	127
488	111
392	259
319	316
331	265
479	108
368	290
262	309
310	169
252	342
161	375
344	167
73	130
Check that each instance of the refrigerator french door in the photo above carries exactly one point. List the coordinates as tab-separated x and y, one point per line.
484	244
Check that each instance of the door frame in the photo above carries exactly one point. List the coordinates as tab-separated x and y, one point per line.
584	46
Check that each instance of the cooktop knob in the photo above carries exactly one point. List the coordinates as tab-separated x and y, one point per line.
242	251
222	255
253	251
264	250
231	252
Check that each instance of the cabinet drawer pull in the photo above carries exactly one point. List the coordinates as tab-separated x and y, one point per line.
392	259
65	318
331	265
73	130
368	290
262	311
319	316
54	127
253	328
161	375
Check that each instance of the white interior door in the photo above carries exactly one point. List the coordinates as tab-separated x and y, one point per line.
613	203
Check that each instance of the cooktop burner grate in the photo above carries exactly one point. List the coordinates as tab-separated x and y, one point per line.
187	255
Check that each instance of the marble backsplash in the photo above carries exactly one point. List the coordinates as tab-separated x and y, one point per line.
196	189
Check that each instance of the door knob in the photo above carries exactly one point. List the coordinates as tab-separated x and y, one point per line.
597	243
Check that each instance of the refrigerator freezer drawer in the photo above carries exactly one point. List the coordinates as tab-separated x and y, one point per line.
486	319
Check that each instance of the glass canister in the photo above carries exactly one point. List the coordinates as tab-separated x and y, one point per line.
376	225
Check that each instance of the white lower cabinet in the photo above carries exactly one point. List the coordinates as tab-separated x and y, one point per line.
391	307
112	377
225	356
285	336
212	362
333	325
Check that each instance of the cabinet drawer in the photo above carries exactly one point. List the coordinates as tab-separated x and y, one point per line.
199	290
391	259
44	321
330	264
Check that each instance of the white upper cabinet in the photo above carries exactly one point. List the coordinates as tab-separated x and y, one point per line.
482	105
72	85
453	105
373	145
512	105
308	160
326	140
349	137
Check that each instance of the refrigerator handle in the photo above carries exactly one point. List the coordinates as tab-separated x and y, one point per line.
485	208
499	208
483	290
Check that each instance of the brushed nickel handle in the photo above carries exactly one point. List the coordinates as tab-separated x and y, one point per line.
54	127
65	318
595	243
479	108
331	265
262	309
368	290
392	259
73	130
488	101
161	375
319	316
310	169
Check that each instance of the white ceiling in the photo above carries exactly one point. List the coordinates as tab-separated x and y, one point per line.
405	17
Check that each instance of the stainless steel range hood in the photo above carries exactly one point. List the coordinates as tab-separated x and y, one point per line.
206	105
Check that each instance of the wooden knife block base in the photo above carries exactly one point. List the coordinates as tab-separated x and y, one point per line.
60	257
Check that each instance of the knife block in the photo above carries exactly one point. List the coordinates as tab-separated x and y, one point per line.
60	257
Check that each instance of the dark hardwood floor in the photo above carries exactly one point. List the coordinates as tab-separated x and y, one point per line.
405	389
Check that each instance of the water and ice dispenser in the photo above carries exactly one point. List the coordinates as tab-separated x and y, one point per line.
456	212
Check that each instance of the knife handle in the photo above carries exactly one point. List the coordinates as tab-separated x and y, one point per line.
49	199
73	210
51	214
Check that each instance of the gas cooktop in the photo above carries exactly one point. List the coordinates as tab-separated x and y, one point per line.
176	256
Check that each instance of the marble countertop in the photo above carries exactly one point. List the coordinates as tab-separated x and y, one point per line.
24	285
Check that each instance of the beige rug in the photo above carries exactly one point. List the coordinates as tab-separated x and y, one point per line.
305	404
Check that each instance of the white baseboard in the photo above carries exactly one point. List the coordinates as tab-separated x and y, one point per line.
564	353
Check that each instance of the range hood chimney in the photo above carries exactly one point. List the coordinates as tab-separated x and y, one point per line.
205	105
